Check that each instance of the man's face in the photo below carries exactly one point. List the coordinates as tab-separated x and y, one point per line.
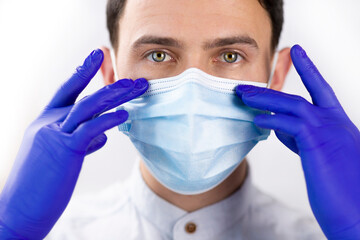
224	38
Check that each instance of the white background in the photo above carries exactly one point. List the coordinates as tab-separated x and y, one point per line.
43	41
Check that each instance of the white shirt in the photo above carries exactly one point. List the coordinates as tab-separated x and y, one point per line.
130	210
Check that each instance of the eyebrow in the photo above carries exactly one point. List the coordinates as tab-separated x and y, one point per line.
221	42
165	41
218	42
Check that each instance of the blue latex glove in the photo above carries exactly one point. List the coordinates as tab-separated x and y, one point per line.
325	139
49	161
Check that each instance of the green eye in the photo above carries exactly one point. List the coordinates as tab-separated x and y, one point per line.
158	56
230	57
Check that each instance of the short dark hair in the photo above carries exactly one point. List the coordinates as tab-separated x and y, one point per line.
274	8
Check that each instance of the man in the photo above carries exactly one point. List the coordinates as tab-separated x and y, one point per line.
207	44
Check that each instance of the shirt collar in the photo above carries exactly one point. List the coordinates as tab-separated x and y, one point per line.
156	210
166	216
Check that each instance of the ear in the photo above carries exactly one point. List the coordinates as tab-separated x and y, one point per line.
106	67
281	69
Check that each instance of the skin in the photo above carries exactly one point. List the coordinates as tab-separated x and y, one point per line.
197	30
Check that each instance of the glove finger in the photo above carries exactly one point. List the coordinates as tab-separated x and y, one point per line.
97	143
53	115
103	100
288	141
70	90
289	125
89	130
320	91
275	101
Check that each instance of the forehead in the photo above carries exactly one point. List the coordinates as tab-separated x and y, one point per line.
193	21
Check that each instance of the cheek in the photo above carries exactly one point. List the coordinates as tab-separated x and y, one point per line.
129	66
257	71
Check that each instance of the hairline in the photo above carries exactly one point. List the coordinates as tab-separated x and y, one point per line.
115	42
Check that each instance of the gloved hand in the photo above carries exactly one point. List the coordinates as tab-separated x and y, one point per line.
325	139
49	161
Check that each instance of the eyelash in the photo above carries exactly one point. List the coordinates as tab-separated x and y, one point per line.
240	57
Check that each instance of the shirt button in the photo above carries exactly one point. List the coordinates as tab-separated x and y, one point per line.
190	227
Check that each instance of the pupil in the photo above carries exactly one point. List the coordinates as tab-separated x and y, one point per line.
158	56
230	57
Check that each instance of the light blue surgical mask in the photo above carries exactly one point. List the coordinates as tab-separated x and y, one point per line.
191	130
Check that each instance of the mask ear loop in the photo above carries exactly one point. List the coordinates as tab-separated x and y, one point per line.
113	61
276	56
